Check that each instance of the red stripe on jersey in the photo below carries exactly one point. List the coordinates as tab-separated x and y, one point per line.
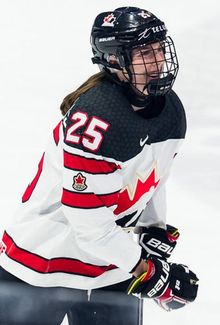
43	265
88	165
29	190
88	200
127	199
56	133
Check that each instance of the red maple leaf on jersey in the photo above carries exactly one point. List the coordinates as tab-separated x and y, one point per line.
128	198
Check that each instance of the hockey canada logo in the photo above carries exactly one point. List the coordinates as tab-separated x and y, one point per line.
79	182
109	20
145	14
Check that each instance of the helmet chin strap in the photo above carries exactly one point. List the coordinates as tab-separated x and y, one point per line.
155	87
134	96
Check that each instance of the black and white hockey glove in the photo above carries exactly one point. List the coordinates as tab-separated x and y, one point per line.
158	242
171	285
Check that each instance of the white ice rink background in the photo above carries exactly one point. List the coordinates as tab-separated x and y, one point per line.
45	54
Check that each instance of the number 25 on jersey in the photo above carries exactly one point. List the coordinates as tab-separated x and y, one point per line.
92	137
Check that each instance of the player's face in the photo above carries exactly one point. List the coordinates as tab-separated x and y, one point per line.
147	64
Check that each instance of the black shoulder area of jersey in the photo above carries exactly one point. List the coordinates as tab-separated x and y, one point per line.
107	103
172	120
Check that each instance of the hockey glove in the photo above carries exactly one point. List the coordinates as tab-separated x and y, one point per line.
171	285
158	242
182	288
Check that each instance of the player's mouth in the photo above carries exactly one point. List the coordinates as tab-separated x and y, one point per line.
154	75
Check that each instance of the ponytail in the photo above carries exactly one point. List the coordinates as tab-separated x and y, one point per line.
88	84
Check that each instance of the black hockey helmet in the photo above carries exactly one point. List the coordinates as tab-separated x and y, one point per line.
119	32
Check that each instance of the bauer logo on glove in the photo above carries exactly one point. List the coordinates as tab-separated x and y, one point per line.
171	285
158	242
152	283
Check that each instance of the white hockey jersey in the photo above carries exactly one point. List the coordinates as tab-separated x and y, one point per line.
102	173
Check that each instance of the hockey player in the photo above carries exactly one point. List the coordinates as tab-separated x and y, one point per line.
102	175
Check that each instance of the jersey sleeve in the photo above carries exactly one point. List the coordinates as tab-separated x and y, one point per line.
156	209
155	213
91	186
